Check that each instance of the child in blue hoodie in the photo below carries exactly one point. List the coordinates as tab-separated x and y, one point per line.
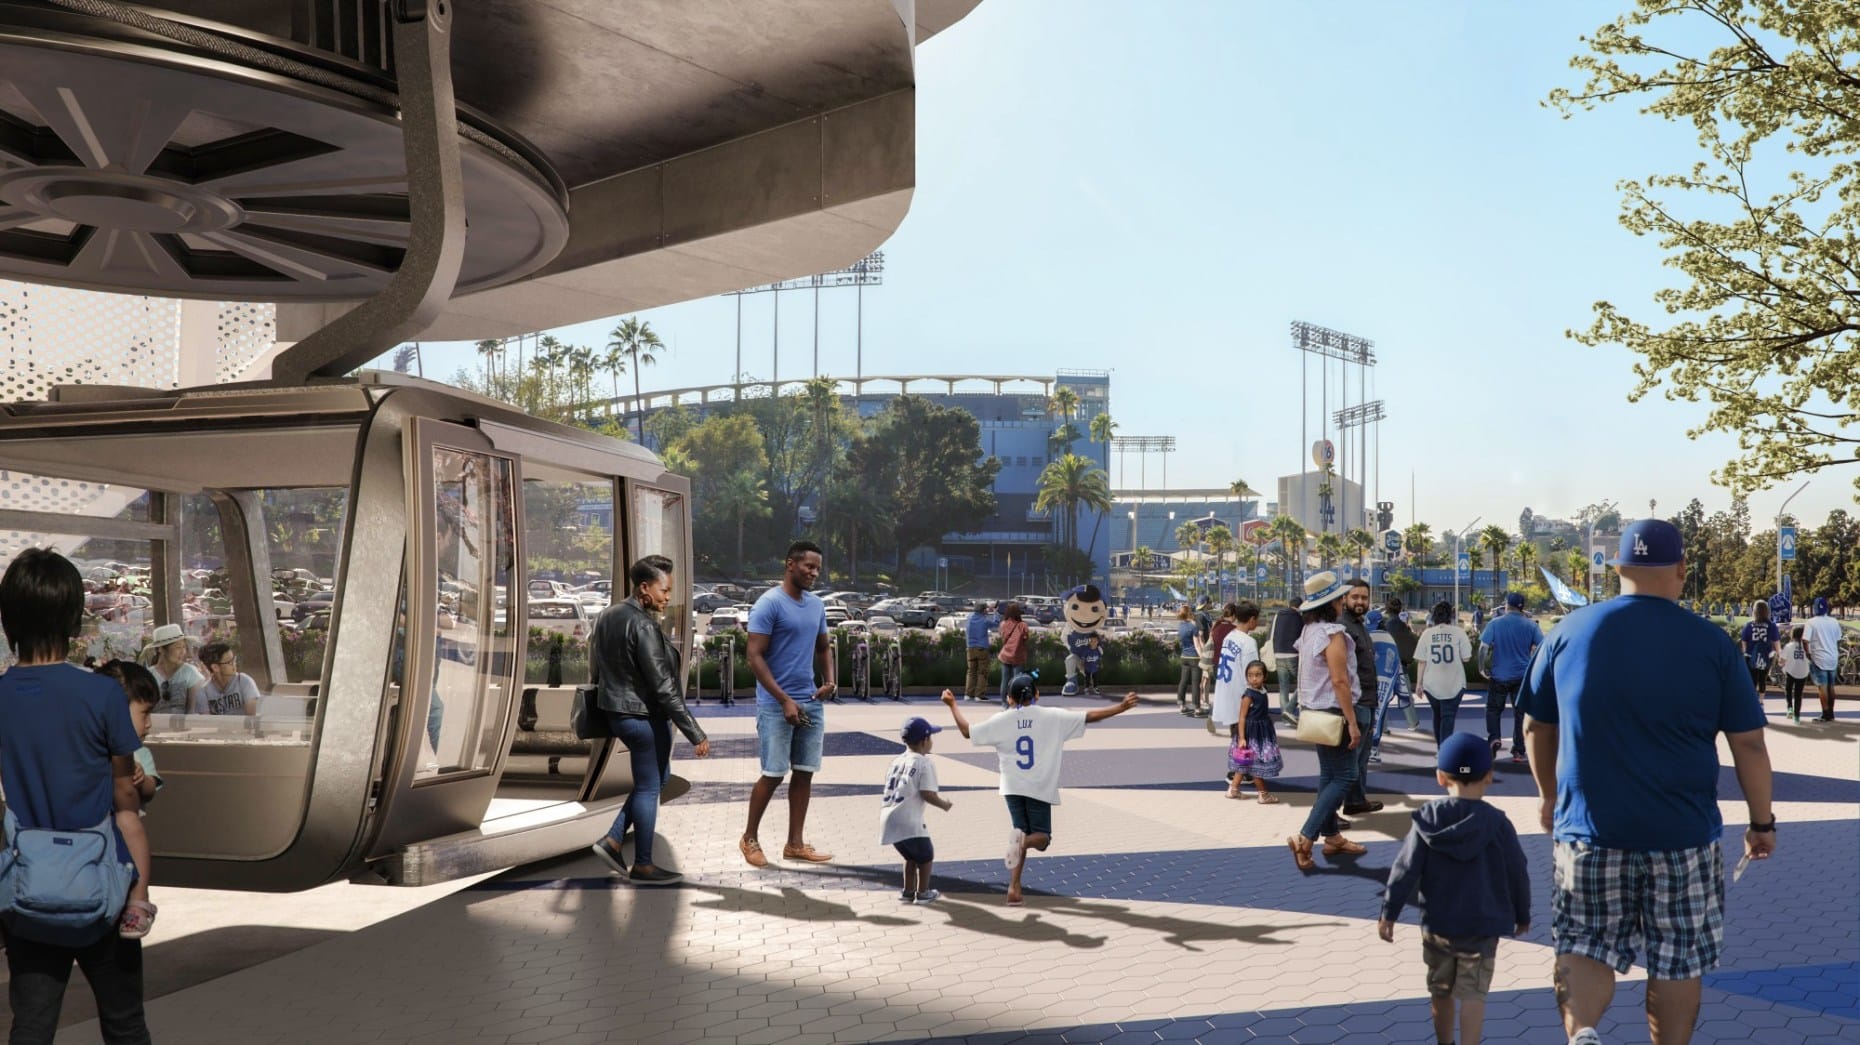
1465	869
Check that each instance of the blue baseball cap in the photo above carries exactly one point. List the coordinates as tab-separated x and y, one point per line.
1515	600
1374	621
1821	606
917	729
1465	757
1650	542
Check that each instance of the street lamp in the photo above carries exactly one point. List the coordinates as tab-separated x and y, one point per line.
1458	536
1780	512
1588	530
1178	544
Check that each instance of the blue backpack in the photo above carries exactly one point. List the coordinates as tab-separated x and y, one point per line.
64	888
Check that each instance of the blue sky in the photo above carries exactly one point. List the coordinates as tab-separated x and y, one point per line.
1159	189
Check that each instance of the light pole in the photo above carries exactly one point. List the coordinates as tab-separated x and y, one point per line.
1780	512
1178	544
1588	530
1458	536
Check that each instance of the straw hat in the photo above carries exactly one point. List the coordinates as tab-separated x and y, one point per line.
165	635
1321	588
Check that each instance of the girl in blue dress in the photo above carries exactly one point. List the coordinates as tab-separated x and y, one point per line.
1260	741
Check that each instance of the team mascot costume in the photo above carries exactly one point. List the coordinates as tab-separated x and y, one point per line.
1081	615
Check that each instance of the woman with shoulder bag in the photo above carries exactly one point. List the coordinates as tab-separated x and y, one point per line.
1326	692
1014	642
640	681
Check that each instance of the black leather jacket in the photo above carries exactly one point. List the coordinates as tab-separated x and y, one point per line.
638	669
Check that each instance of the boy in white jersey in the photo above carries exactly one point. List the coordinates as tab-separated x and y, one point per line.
909	786
1029	742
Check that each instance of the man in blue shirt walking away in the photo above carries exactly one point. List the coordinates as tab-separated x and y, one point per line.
1625	705
1512	638
982	620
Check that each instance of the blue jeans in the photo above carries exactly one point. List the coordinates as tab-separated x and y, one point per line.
649	744
1288	685
1365	721
1497	695
1336	774
1008	672
1445	712
435	717
781	747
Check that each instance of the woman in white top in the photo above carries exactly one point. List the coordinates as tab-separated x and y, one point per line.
182	684
1442	651
1327	686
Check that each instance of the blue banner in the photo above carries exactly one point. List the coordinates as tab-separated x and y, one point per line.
1560	591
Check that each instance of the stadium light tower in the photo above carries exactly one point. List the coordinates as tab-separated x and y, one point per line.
1348	350
868	271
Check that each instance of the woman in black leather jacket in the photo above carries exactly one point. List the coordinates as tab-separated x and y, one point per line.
640	678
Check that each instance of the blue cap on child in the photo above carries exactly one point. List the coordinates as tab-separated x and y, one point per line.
916	730
1465	757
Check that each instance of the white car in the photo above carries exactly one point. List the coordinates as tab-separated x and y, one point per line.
728	618
559	615
953	622
881	623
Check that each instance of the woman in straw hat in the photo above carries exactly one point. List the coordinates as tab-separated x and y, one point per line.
183	687
1326	691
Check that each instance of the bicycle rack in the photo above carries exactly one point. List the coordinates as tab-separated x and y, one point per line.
833	651
726	671
894	669
862	669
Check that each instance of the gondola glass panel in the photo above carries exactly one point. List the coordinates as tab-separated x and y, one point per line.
475	647
660	527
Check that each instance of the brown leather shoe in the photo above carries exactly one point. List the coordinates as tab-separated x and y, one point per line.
1343	847
752	852
805	852
1301	852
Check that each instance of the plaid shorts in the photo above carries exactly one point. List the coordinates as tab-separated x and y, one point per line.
1610	903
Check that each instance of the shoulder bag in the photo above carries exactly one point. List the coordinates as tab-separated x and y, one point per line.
63	888
1320	726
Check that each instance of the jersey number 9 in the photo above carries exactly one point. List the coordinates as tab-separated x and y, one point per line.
1024	747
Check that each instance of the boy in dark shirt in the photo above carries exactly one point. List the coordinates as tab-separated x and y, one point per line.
1463	864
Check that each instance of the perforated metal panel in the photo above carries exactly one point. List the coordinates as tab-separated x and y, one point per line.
51	335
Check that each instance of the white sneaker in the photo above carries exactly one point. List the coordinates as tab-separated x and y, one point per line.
928	896
1017	840
1585	1036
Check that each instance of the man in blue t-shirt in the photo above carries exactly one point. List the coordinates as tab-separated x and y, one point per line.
981	621
66	762
787	633
1626	702
1512	638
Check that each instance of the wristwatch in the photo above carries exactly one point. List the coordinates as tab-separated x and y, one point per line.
1767	829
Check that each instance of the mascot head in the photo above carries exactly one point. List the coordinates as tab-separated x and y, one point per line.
1084	608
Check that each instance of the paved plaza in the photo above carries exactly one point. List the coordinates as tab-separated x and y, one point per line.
1163	912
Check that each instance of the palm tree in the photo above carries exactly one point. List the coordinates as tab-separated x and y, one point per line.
638	343
1364	543
1495	540
742	496
1220	541
1103	430
1069	483
1140	558
1291	538
1329	548
489	349
1526	556
1578	564
580	361
1065	403
1417	539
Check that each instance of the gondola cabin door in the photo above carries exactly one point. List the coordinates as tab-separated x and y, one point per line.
458	648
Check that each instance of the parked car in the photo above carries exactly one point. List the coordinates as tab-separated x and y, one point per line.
312	603
728	618
856	629
837	614
711	602
560	615
907	612
880	624
540	588
952	622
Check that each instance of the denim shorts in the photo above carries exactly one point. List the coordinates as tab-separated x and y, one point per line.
1615	906
782	747
1821	676
1030	814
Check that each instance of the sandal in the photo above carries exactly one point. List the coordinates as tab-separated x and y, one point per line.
1269	800
136	920
1301	853
1343	847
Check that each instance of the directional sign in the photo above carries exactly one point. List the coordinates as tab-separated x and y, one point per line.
942	564
1391	541
1260	573
1785	538
1597	559
1464	564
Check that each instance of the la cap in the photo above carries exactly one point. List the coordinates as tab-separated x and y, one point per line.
1465	757
917	729
1515	600
1650	542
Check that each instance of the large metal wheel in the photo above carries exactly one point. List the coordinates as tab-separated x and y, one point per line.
130	166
